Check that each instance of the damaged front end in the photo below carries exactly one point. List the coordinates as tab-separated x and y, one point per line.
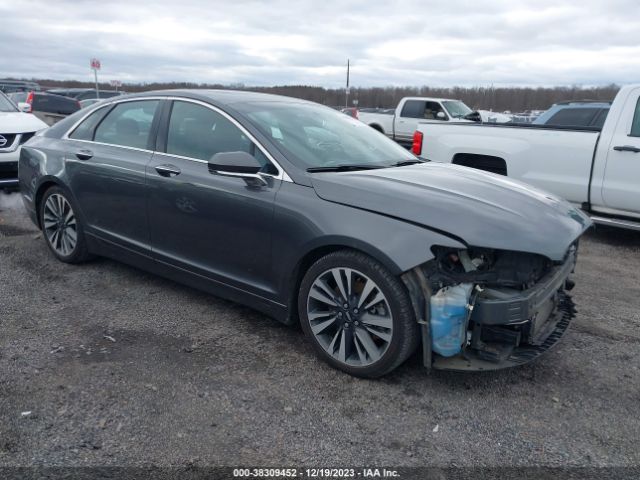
484	309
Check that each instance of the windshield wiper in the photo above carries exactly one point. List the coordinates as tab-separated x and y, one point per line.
408	162
343	168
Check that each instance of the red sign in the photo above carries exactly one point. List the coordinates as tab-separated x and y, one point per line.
95	64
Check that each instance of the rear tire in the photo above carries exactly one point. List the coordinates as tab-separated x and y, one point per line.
357	315
61	226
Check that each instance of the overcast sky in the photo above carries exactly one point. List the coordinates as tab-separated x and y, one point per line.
444	43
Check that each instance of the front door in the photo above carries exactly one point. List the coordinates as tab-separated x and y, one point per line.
212	225
621	187
414	112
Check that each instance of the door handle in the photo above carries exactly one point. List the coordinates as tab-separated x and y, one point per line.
626	148
84	154
168	170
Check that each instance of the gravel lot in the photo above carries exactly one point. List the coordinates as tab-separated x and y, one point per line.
119	367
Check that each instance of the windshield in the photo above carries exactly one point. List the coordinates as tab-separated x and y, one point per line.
456	108
6	105
314	136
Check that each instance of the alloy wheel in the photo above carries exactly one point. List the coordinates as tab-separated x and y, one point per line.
350	316
60	225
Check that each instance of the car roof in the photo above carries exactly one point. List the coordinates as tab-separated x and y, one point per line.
225	97
434	99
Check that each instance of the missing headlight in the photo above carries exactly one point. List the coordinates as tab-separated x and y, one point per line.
486	267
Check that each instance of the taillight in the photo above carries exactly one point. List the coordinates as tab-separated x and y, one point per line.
416	146
30	102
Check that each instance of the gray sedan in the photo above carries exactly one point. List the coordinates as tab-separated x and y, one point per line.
314	218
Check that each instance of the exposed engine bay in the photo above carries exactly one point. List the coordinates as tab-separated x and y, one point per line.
489	309
485	267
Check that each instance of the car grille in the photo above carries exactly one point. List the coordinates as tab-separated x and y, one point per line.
10	138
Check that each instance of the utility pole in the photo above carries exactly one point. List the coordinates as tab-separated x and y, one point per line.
95	66
346	96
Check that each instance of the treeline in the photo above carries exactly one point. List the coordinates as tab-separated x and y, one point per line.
515	99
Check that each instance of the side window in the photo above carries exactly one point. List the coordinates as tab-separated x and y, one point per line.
84	131
413	109
431	111
573	117
198	132
128	124
635	125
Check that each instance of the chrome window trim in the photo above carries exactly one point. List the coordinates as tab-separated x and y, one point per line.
282	174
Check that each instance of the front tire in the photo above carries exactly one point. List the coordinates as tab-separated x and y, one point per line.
61	226
357	315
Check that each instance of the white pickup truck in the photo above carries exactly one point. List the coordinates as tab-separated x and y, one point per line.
597	170
412	110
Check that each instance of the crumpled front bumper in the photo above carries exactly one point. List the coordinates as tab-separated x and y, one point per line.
512	327
560	319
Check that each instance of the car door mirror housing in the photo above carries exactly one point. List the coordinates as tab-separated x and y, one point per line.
234	162
238	164
441	116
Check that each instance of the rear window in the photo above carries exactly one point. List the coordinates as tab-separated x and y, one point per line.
85	130
54	104
635	126
573	117
413	109
128	124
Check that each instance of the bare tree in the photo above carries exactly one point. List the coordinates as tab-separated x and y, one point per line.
515	99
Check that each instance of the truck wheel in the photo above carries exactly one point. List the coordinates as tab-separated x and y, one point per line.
357	315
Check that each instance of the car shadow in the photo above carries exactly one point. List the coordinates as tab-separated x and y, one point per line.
617	237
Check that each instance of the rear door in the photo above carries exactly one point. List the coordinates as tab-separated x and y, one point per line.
215	226
107	156
621	186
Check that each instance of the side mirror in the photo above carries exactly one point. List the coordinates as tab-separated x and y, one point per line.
24	107
237	164
441	116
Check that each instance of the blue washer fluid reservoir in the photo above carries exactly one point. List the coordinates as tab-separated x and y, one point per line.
449	310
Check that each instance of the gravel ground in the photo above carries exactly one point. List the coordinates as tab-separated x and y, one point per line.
119	367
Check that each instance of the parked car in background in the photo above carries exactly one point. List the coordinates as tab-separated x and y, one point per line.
15	129
88	102
84	93
411	110
351	111
594	166
585	113
310	216
47	107
10	86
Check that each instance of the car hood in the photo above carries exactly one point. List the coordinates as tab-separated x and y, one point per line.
18	122
482	209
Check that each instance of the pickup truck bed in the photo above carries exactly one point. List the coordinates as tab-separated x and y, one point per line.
536	146
597	170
